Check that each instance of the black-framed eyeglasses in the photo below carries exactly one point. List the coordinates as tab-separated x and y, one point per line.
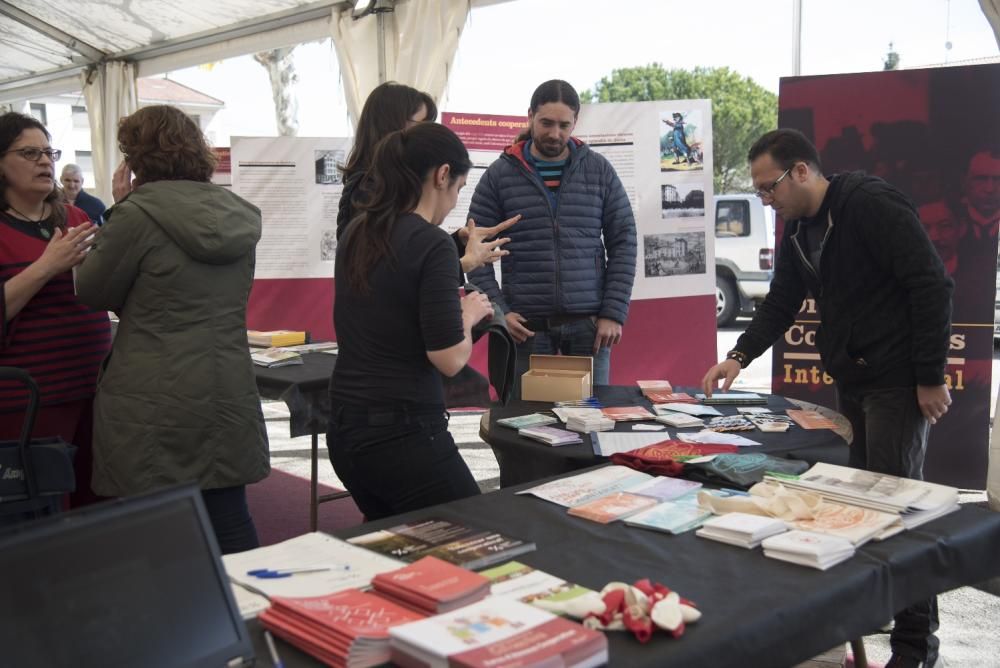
768	191
35	154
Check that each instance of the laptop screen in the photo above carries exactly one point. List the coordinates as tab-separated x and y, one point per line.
137	582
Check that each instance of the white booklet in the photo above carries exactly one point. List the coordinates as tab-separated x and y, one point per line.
808	549
741	529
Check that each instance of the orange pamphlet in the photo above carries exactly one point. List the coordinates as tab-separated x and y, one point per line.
810	419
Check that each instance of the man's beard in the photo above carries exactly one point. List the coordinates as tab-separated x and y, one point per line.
550	149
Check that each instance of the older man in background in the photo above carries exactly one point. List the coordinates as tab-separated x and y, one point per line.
72	183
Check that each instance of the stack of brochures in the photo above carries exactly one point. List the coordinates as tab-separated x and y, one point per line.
276	338
272	358
741	529
455	543
914	501
550	435
330	347
679	420
586	420
808	549
529	585
348	629
627	413
431	586
524	421
733	399
498	631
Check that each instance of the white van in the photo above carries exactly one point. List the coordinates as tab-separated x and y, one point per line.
744	254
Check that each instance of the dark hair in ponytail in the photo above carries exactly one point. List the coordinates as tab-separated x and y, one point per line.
388	108
400	164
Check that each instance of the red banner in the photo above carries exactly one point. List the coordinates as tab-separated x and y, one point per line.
934	134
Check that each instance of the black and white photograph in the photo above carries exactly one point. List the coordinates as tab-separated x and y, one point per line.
328	246
328	163
674	254
682	200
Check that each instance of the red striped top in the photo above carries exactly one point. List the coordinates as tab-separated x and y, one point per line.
58	340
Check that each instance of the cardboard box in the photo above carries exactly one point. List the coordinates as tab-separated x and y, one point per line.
557	378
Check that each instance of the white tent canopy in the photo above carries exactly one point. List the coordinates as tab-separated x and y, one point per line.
101	46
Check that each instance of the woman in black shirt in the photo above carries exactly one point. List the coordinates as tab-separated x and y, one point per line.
400	324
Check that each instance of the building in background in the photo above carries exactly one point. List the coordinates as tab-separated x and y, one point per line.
65	116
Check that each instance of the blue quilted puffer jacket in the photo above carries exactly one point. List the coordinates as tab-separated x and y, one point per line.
578	258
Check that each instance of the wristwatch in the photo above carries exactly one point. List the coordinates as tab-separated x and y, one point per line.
739	357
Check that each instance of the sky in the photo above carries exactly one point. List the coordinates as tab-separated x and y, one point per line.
507	49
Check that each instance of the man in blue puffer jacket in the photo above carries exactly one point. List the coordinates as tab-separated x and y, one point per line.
567	281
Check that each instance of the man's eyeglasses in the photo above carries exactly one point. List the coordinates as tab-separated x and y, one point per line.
35	154
768	191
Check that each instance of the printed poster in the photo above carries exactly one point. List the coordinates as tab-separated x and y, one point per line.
933	134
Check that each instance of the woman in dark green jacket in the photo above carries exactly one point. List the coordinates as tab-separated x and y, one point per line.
176	400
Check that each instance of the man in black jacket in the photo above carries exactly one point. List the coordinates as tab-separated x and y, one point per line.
855	244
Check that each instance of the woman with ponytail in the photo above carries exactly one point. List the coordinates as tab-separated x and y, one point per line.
390	107
401	324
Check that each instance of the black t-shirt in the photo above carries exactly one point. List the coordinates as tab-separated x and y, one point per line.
413	306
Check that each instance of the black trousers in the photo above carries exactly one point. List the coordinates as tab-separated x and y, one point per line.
890	436
230	515
393	460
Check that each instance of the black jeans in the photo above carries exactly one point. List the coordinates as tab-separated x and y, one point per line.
393	460
234	528
890	436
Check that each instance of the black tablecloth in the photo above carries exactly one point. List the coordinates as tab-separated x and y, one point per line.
756	611
522	459
304	388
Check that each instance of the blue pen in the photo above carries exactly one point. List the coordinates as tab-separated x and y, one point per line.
273	574
275	659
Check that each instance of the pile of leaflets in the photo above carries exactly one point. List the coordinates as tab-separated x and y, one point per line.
550	435
586	420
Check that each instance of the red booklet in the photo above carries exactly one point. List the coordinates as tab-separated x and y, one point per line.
627	413
432	585
647	386
349	627
671	398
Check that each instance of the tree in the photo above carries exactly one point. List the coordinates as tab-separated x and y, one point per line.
891	61
742	110
281	71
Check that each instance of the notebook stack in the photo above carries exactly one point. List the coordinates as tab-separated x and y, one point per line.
741	529
808	549
550	435
431	586
349	628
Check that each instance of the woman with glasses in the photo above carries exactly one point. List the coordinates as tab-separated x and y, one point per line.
177	400
44	329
